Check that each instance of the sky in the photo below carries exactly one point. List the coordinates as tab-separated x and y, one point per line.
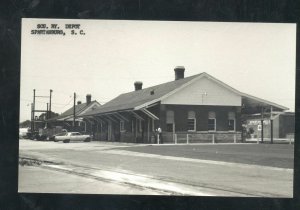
255	58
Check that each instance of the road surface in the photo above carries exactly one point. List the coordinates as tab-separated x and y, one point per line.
207	170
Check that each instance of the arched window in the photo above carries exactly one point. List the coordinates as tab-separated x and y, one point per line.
211	121
170	120
191	126
231	121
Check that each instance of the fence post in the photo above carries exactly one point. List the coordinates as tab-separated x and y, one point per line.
175	138
234	137
187	138
213	138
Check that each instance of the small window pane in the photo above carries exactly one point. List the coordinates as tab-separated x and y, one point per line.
231	125
211	124
191	124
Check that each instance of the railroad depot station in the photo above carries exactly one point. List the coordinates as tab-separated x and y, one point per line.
193	109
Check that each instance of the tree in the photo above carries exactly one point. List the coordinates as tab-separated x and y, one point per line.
44	117
25	124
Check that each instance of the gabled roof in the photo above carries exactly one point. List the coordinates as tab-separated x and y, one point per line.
128	101
136	100
79	108
247	97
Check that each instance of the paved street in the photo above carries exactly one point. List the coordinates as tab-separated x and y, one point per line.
212	170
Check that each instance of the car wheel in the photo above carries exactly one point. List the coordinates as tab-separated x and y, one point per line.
66	141
87	140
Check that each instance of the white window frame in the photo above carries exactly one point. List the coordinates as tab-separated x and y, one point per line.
234	123
195	121
213	118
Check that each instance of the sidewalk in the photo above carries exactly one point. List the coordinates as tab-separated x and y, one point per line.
42	180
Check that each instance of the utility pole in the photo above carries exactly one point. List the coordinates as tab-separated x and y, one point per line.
31	125
50	115
271	121
262	124
33	112
47	113
74	110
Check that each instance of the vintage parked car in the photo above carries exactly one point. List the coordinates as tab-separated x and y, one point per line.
72	136
23	133
52	137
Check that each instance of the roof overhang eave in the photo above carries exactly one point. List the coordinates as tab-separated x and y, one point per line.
263	101
147	104
106	113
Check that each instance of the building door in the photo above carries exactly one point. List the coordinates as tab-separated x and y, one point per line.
170	124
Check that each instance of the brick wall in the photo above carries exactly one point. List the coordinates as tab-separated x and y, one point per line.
181	116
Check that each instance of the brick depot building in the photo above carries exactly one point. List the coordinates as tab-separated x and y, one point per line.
198	108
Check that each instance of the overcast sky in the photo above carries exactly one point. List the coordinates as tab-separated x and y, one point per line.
255	58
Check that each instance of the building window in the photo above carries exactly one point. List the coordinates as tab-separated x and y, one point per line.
169	127
170	120
191	126
122	125
231	121
211	121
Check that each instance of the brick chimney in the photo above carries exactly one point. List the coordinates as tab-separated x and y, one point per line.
138	85
88	98
179	72
78	102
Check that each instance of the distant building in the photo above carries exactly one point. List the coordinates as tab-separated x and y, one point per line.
283	125
198	108
66	118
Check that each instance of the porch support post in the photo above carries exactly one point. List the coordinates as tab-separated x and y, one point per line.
148	129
